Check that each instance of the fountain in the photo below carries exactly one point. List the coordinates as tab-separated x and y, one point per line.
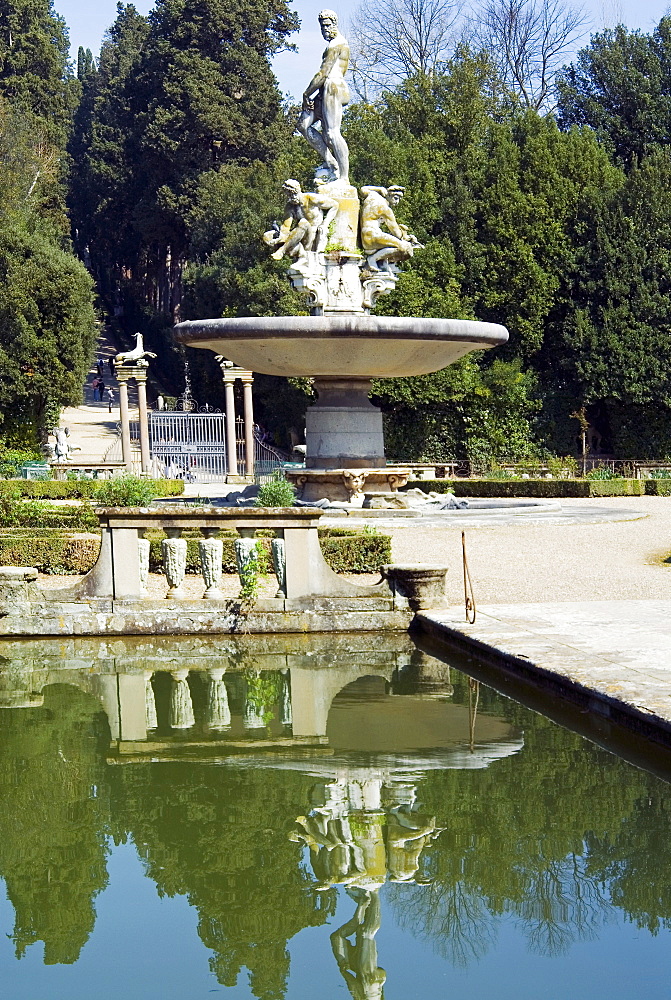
344	253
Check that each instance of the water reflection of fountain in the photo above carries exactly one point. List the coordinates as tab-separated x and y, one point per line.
362	830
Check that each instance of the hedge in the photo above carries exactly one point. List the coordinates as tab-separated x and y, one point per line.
79	489
59	552
541	488
48	551
658	487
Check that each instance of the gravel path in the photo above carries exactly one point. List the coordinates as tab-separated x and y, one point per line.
522	563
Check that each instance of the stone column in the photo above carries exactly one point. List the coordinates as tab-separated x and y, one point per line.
232	458
141	380
247	379
123	413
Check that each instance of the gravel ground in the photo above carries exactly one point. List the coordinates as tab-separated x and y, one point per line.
524	563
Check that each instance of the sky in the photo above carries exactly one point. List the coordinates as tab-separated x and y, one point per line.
88	20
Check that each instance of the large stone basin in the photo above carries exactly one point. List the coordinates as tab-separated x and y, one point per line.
341	345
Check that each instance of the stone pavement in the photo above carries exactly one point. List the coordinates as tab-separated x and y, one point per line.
617	650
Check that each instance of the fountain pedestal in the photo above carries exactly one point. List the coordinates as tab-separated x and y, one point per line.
343	429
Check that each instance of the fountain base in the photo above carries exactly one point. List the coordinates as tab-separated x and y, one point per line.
346	484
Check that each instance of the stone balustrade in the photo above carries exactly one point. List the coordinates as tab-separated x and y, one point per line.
123	564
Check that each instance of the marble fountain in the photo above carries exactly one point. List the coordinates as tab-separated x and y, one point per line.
344	248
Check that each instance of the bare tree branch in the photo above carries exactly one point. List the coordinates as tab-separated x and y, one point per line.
528	40
396	40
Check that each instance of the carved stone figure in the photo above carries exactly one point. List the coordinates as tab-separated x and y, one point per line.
324	99
383	239
173	549
306	225
135	357
211	552
62	447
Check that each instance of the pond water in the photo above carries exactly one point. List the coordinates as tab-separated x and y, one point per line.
302	817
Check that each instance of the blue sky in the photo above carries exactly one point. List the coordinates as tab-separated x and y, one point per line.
88	20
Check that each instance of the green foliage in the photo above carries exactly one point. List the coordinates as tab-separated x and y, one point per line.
620	86
601	472
55	489
278	493
541	488
47	333
17	512
658	487
11	460
48	550
126	491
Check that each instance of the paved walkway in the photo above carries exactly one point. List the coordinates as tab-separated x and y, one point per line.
93	429
586	603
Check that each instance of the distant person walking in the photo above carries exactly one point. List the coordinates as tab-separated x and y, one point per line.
110	362
101	367
101	389
110	398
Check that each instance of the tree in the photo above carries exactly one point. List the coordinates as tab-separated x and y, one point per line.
620	86
528	39
396	40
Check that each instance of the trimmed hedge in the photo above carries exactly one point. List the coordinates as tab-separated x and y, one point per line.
48	551
658	487
78	489
539	488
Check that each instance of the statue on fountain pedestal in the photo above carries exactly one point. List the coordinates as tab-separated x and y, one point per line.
396	243
306	226
324	99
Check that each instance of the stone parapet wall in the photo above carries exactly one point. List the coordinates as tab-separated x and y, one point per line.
103	617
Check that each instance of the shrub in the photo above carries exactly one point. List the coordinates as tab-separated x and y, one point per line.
11	460
79	489
125	491
48	551
658	487
601	472
278	493
541	488
19	513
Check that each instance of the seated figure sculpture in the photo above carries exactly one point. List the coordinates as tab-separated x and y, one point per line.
384	247
306	224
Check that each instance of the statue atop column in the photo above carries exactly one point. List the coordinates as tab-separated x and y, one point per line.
324	99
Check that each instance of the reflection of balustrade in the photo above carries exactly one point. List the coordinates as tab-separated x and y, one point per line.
121	569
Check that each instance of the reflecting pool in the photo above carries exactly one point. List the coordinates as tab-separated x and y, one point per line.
313	817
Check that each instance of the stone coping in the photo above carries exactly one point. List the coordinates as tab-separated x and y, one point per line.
608	658
180	516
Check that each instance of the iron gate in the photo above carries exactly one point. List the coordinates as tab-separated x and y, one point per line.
189	446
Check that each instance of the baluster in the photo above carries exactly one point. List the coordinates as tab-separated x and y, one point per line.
143	547
245	553
252	713
278	553
218	710
174	561
181	706
211	551
150	700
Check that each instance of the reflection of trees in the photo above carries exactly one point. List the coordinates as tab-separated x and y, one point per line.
53	820
551	837
219	836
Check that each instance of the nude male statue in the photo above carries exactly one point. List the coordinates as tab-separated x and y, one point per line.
394	244
305	227
324	98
